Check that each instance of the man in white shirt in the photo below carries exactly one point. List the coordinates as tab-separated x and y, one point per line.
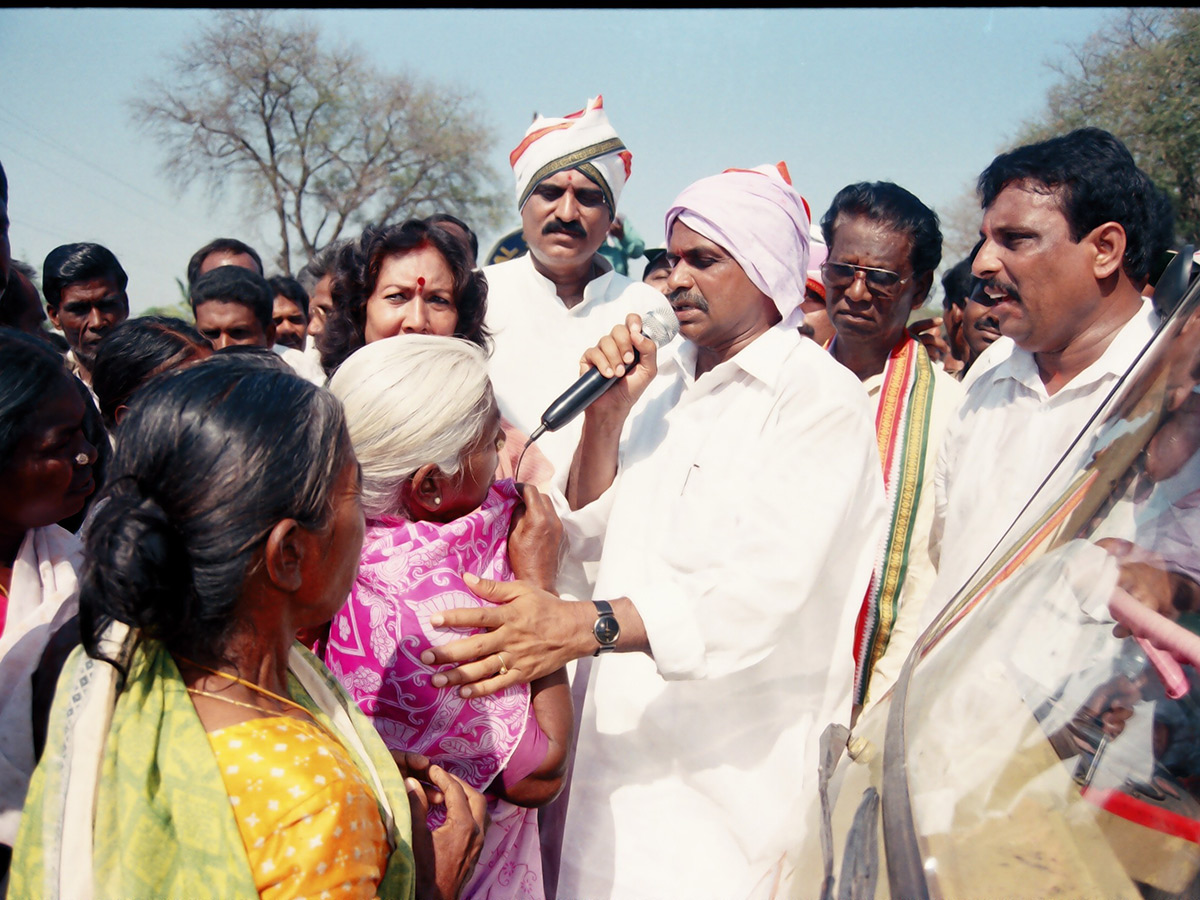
1071	228
733	577
545	305
884	245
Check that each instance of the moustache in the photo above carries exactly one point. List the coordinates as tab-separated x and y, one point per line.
686	297
560	227
987	323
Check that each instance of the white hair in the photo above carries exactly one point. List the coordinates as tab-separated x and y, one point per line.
411	400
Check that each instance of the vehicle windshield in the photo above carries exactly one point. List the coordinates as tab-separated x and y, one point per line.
1044	750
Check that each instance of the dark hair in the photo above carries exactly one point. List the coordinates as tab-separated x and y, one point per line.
290	288
958	282
233	284
209	459
357	270
73	263
438	218
656	258
27	270
134	352
28	368
1095	180
17	299
1161	238
883	201
320	266
3	186
221	245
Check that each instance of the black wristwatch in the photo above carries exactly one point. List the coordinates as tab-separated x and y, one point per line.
606	629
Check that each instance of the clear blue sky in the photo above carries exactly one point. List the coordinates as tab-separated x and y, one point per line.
924	97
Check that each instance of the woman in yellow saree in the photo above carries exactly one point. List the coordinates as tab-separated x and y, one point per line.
195	750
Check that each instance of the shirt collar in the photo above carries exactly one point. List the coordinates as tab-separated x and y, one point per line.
594	291
762	359
1116	358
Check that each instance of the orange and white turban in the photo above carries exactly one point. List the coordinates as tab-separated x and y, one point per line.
764	224
583	140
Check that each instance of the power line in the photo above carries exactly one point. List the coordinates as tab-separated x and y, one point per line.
29	129
131	253
90	189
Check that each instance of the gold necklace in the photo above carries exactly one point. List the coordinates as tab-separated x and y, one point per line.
201	693
242	681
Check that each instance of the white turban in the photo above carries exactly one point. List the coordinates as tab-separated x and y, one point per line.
583	140
764	224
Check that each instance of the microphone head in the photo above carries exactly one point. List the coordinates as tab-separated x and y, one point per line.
660	324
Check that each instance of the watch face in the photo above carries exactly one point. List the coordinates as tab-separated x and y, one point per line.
606	629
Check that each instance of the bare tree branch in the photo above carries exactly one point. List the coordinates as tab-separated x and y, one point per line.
313	135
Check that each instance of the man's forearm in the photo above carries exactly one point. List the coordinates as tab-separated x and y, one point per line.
594	465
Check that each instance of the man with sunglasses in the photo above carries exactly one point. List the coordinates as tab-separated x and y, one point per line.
1071	228
884	245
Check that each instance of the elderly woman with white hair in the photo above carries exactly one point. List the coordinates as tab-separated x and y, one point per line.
426	429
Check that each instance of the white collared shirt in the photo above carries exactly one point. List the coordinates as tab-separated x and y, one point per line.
538	342
1006	437
742	524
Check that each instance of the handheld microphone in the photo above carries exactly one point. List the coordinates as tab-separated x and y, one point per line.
659	324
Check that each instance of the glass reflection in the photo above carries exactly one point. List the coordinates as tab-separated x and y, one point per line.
1052	723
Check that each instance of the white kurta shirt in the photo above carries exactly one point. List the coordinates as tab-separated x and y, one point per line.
921	572
1005	439
538	342
742	524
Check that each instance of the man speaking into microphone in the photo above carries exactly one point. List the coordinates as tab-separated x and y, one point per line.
729	577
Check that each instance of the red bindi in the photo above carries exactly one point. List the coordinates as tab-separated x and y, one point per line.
420	281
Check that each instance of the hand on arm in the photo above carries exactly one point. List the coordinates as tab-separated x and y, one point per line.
534	538
445	857
594	465
536	631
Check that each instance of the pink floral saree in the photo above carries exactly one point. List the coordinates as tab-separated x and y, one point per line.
410	571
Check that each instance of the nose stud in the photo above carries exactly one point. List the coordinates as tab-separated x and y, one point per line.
82	459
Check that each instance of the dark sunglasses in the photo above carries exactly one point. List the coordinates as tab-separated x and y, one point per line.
841	275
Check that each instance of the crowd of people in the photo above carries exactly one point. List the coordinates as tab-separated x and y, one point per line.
290	604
